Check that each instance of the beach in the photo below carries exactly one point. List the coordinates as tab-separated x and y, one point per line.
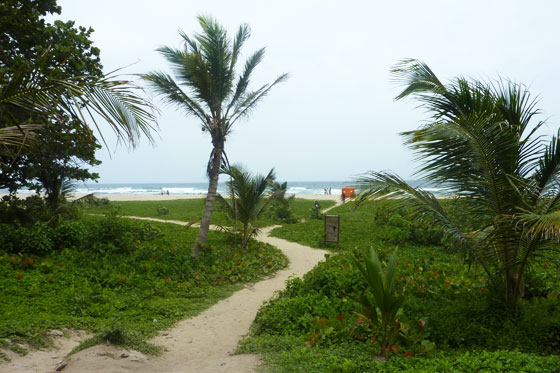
171	197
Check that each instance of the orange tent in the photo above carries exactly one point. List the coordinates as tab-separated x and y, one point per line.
348	192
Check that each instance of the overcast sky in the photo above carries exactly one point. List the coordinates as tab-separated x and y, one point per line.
335	117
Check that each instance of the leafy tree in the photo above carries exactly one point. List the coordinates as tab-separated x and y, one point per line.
64	150
481	146
26	36
51	79
251	199
207	88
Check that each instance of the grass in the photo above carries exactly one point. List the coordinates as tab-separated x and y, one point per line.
190	210
121	279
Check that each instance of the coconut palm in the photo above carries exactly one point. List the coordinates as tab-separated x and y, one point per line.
251	198
206	87
87	99
480	144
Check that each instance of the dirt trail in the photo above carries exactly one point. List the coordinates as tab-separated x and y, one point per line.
204	343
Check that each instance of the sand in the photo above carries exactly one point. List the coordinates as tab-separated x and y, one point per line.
204	343
165	197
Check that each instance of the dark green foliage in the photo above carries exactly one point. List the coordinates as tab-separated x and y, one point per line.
449	309
85	273
480	143
65	52
24	212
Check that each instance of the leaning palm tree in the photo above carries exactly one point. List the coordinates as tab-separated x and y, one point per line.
207	88
480	145
250	193
31	93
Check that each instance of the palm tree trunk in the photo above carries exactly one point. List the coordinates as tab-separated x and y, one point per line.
210	200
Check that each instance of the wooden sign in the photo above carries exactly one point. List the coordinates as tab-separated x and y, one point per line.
332	228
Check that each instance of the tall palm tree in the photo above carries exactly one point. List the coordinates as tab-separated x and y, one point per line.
87	99
207	88
251	198
480	145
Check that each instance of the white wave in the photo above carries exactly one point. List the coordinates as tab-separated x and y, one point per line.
175	190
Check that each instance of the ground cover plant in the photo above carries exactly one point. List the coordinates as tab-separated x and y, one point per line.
190	210
449	321
119	278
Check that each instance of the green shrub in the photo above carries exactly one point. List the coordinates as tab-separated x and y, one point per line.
281	213
35	240
162	210
315	212
70	234
136	271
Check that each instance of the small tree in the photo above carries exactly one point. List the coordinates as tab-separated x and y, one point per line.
251	199
280	207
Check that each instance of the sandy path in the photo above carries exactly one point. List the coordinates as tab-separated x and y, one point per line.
204	343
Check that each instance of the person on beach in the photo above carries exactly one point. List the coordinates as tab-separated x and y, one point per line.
343	197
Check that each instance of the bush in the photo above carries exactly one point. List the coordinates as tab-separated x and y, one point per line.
162	210
35	240
282	213
23	211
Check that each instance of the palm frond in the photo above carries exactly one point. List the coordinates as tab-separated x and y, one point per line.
416	76
243	81
19	136
386	186
245	107
166	88
115	100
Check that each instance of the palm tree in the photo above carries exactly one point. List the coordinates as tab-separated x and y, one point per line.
251	198
33	91
207	88
480	145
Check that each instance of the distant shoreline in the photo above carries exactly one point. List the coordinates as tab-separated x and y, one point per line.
170	197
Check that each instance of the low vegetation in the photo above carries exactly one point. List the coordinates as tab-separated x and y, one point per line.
190	210
450	320
121	279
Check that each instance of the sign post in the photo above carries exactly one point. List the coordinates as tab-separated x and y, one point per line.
332	229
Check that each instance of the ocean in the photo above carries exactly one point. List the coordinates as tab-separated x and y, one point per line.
294	187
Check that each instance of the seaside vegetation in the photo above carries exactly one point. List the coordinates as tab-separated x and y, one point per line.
190	210
451	320
120	279
482	144
249	200
475	285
